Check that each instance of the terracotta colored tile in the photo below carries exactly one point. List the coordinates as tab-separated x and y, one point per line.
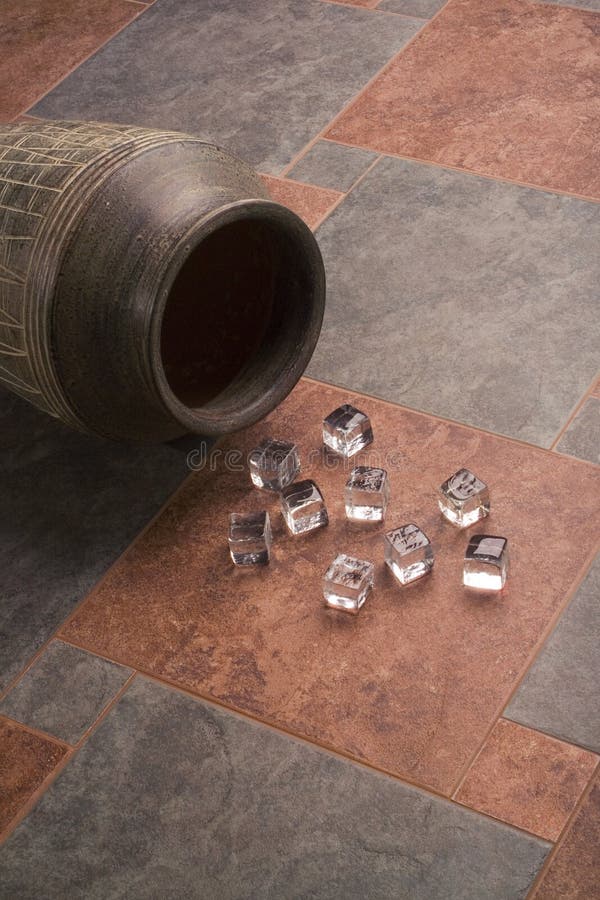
574	872
309	202
41	42
415	681
25	761
528	779
500	87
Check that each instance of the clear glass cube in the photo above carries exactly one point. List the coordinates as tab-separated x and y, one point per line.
250	538
347	583
486	562
408	553
367	494
347	430
274	464
464	499
303	507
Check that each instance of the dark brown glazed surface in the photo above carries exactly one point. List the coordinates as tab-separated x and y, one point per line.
500	87
413	683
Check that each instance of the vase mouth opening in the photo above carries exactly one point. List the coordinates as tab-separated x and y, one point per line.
240	311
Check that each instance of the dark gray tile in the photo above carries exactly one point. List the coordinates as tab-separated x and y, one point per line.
70	505
582	437
64	692
559	694
423	9
261	79
171	798
332	165
462	296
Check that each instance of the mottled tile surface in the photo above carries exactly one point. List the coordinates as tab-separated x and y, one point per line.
574	873
455	295
580	4
560	692
224	808
528	779
25	761
582	437
41	42
70	505
332	165
311	203
423	9
519	99
64	692
259	79
414	682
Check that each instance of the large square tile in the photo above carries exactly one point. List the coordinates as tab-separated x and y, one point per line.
461	296
171	798
500	87
414	682
259	79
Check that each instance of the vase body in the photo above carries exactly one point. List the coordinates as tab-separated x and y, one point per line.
148	286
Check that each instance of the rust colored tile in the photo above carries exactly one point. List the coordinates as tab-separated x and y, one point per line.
528	779
41	42
500	87
415	681
309	202
25	761
574	871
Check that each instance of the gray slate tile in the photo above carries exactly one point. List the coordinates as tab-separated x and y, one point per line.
332	165
423	9
171	798
260	79
70	505
462	296
64	692
560	694
582	437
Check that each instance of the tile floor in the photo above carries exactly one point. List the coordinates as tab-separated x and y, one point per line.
170	727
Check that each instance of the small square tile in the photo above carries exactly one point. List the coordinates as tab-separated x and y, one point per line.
274	464
582	437
367	494
347	583
311	203
332	165
464	499
347	431
408	553
250	538
486	562
303	507
65	691
527	779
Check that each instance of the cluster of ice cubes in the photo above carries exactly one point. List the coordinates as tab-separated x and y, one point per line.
463	500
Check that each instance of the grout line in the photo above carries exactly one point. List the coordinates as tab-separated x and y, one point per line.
502	179
563	835
329	749
346	194
444	420
72	750
574	413
56	633
354	98
37	732
106	710
549	734
531	659
142	8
